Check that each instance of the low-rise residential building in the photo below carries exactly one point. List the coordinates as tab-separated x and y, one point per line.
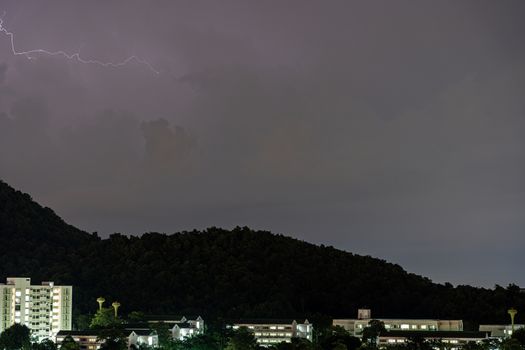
180	326
87	340
91	340
499	330
179	331
453	339
357	325
143	336
273	331
45	309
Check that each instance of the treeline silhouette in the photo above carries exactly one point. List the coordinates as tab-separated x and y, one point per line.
222	274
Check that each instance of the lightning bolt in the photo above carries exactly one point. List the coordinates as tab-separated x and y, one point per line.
74	56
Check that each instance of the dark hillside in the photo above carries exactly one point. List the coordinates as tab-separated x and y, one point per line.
33	239
222	273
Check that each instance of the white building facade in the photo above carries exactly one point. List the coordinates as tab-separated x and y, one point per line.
91	340
500	330
180	327
357	325
271	332
453	340
45	309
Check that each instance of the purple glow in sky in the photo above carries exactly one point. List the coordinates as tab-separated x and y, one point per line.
389	128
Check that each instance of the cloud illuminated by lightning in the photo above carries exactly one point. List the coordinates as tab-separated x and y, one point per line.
74	56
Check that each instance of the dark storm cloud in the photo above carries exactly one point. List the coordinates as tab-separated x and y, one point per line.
386	128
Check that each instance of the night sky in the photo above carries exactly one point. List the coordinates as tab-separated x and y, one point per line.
389	128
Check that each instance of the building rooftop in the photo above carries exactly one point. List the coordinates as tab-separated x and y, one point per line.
96	332
144	332
87	332
268	321
170	318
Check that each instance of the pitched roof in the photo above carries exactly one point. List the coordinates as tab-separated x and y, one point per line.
184	325
143	332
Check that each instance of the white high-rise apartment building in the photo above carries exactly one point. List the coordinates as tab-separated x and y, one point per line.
45	309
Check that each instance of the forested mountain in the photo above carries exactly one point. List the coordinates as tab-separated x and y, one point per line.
33	239
221	273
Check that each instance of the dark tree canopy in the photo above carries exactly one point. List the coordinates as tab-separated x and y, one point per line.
105	318
15	337
337	338
372	331
46	344
519	335
69	344
242	339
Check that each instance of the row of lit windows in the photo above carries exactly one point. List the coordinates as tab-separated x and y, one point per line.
395	340
404	326
275	341
413	326
451	341
257	334
266	327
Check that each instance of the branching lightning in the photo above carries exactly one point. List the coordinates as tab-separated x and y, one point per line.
75	56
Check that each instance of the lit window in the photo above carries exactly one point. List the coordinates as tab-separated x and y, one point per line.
404	326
